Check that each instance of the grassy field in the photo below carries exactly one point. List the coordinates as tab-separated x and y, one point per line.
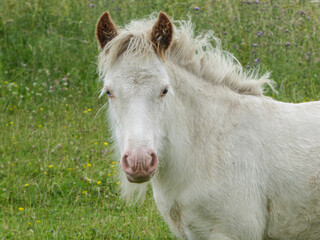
57	174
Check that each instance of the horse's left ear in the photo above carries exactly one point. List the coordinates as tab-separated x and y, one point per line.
162	33
106	30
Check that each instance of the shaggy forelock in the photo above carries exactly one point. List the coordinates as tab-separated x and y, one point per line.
201	55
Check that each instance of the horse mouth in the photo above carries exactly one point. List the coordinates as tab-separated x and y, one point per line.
139	179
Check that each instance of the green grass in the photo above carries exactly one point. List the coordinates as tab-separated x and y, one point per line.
57	175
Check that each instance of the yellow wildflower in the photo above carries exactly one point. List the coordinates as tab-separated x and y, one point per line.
38	221
6	82
88	165
99	182
26	185
41	109
50	166
106	144
40	126
29	223
118	183
109	174
69	168
85	112
11	123
89	110
84	192
45	173
21	208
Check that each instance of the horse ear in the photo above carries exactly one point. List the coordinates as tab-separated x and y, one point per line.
162	33
106	30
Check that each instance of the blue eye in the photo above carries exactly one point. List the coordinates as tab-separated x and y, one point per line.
164	92
108	93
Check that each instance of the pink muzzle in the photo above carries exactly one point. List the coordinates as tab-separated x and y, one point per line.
139	165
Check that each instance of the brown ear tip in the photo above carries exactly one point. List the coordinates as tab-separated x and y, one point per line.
105	15
106	30
163	15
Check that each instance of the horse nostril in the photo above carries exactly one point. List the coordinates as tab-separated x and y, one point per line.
154	160
125	162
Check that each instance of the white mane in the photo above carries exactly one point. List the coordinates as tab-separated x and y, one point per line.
195	54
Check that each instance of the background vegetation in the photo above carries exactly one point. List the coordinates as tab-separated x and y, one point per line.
57	176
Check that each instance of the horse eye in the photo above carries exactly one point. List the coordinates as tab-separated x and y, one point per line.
164	92
108	93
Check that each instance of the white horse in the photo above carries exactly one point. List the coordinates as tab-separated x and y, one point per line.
224	161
